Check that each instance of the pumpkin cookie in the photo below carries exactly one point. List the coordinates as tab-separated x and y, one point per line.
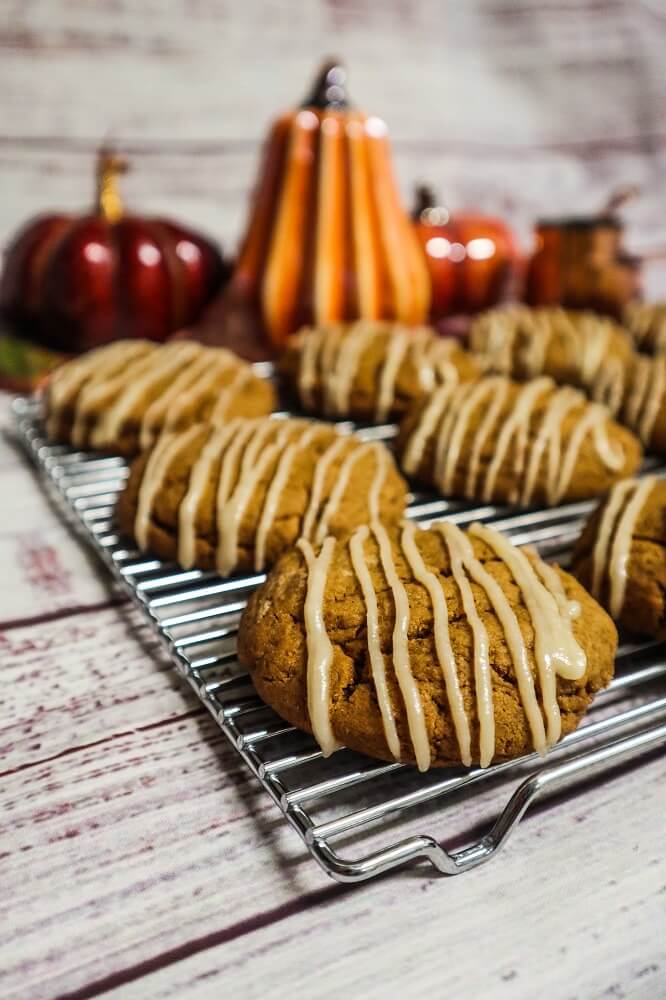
644	403
621	555
581	349
370	371
236	497
529	443
646	323
433	647
118	398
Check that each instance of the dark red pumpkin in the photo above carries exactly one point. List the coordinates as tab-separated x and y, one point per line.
472	258
75	282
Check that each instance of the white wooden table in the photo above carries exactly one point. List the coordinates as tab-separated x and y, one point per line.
138	857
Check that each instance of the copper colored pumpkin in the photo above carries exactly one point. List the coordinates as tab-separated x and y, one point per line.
327	237
472	258
74	282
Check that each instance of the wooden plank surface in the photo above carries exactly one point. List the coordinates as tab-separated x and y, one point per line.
137	859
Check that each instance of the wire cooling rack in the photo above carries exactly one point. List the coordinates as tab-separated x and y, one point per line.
357	817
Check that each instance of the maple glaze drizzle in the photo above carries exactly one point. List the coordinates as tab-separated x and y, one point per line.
448	418
516	341
556	651
332	356
610	556
239	459
157	386
645	396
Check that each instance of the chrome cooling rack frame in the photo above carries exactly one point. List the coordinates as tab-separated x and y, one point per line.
349	800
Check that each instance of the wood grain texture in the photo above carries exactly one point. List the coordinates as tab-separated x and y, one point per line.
525	108
137	859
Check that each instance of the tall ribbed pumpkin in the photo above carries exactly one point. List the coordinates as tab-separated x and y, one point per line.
327	238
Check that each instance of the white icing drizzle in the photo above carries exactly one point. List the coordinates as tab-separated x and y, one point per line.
595	419
164	453
442	637
164	365
461	557
309	342
330	356
551	613
501	389
378	481
228	394
93	368
516	341
233	460
318	483
165	410
549	436
448	416
569	610
451	438
276	489
342	483
516	423
338	385
555	648
646	396
512	634
377	662
615	533
408	686
424	428
252	467
612	508
200	475
395	355
211	369
319	647
153	386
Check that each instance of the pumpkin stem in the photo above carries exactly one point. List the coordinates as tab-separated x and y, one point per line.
109	167
329	87
424	198
620	197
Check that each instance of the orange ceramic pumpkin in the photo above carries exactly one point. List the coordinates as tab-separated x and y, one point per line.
471	258
327	238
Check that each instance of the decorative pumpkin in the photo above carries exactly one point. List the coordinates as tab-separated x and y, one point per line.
75	282
581	263
327	238
472	259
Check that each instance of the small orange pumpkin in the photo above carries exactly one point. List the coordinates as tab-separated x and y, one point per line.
472	258
328	238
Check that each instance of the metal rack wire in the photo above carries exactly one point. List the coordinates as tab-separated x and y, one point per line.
357	817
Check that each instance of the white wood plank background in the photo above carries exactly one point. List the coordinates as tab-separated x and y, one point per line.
136	859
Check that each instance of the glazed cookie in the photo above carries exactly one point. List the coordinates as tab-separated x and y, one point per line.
370	371
529	443
118	398
236	497
644	404
621	555
646	322
581	349
433	647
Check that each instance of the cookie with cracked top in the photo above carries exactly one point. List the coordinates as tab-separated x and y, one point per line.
426	646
